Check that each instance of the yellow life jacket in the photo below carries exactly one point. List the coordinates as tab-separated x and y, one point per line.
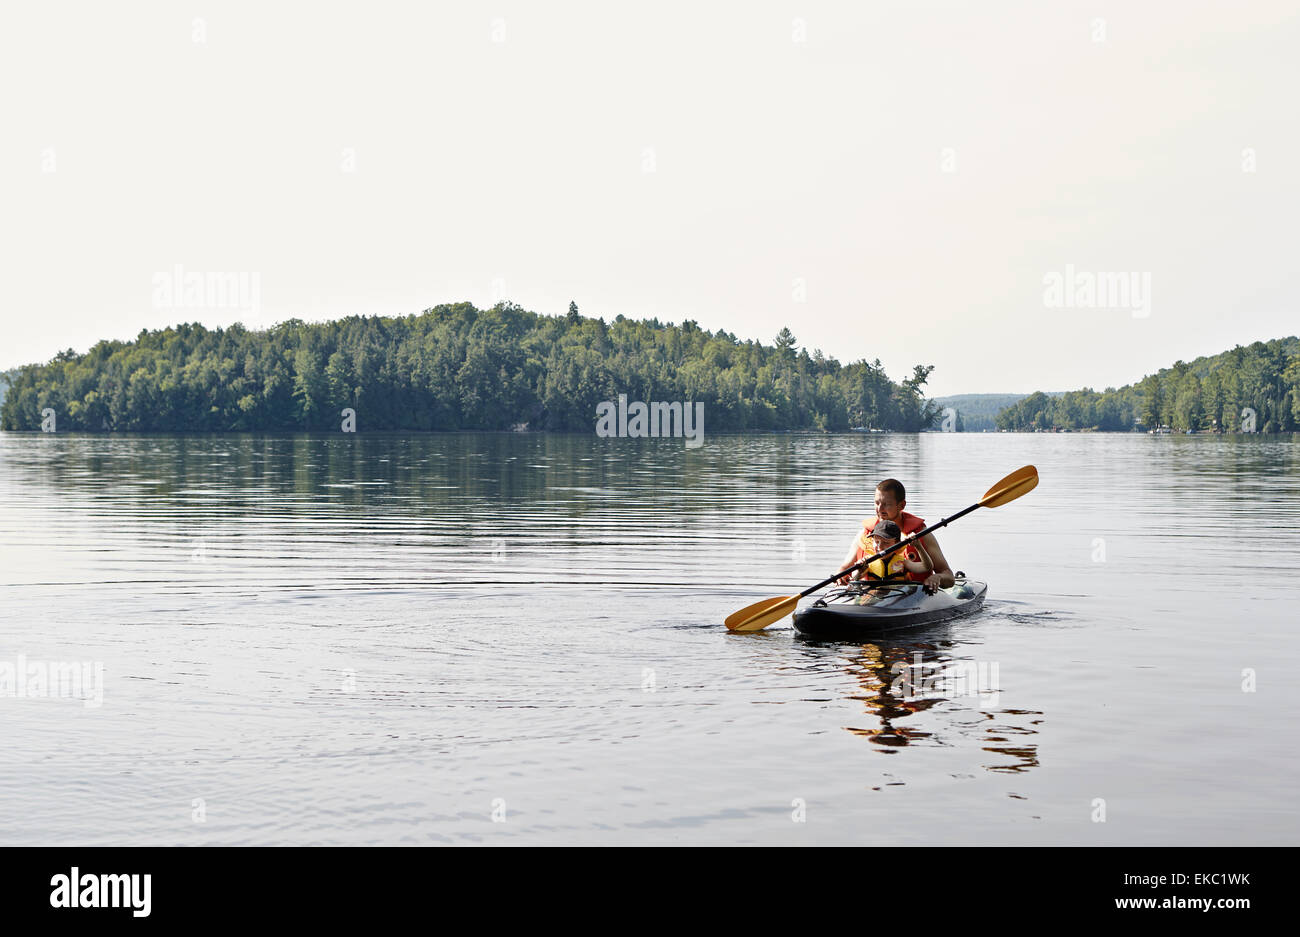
896	569
865	547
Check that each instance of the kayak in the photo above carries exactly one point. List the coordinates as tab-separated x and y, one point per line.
865	610
871	610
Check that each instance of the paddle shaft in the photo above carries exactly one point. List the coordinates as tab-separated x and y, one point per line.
879	556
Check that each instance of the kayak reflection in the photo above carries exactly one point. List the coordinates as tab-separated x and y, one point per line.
901	682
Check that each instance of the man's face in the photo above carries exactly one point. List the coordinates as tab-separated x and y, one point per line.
887	509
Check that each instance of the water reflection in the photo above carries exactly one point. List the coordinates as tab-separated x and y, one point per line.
900	682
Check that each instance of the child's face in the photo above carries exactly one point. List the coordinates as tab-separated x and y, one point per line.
883	543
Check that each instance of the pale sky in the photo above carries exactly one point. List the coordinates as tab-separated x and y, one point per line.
917	167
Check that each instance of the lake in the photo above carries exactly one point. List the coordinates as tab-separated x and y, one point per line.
518	639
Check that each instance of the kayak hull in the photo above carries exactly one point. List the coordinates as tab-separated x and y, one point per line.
838	617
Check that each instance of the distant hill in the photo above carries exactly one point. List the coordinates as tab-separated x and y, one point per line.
1246	389
456	367
978	412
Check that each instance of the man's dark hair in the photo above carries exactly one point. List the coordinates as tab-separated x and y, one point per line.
894	487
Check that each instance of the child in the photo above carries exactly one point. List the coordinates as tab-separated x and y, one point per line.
885	535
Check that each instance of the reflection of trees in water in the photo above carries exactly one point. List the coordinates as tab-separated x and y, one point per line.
882	672
575	474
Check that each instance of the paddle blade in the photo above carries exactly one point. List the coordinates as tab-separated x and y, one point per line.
1020	482
758	616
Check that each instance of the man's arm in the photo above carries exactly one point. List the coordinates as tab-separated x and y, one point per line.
942	576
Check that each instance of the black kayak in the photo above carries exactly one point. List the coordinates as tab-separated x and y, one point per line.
866	610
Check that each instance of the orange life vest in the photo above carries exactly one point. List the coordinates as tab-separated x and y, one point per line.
907	523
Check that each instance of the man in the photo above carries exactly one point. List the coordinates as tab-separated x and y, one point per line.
891	498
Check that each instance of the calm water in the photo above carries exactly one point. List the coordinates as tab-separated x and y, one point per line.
382	639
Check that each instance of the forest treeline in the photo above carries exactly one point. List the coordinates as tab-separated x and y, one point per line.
1251	388
453	367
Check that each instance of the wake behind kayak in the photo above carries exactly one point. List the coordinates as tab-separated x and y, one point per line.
863	610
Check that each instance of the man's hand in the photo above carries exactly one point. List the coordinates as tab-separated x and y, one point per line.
932	582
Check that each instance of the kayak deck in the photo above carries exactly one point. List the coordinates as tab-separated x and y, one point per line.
870	610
